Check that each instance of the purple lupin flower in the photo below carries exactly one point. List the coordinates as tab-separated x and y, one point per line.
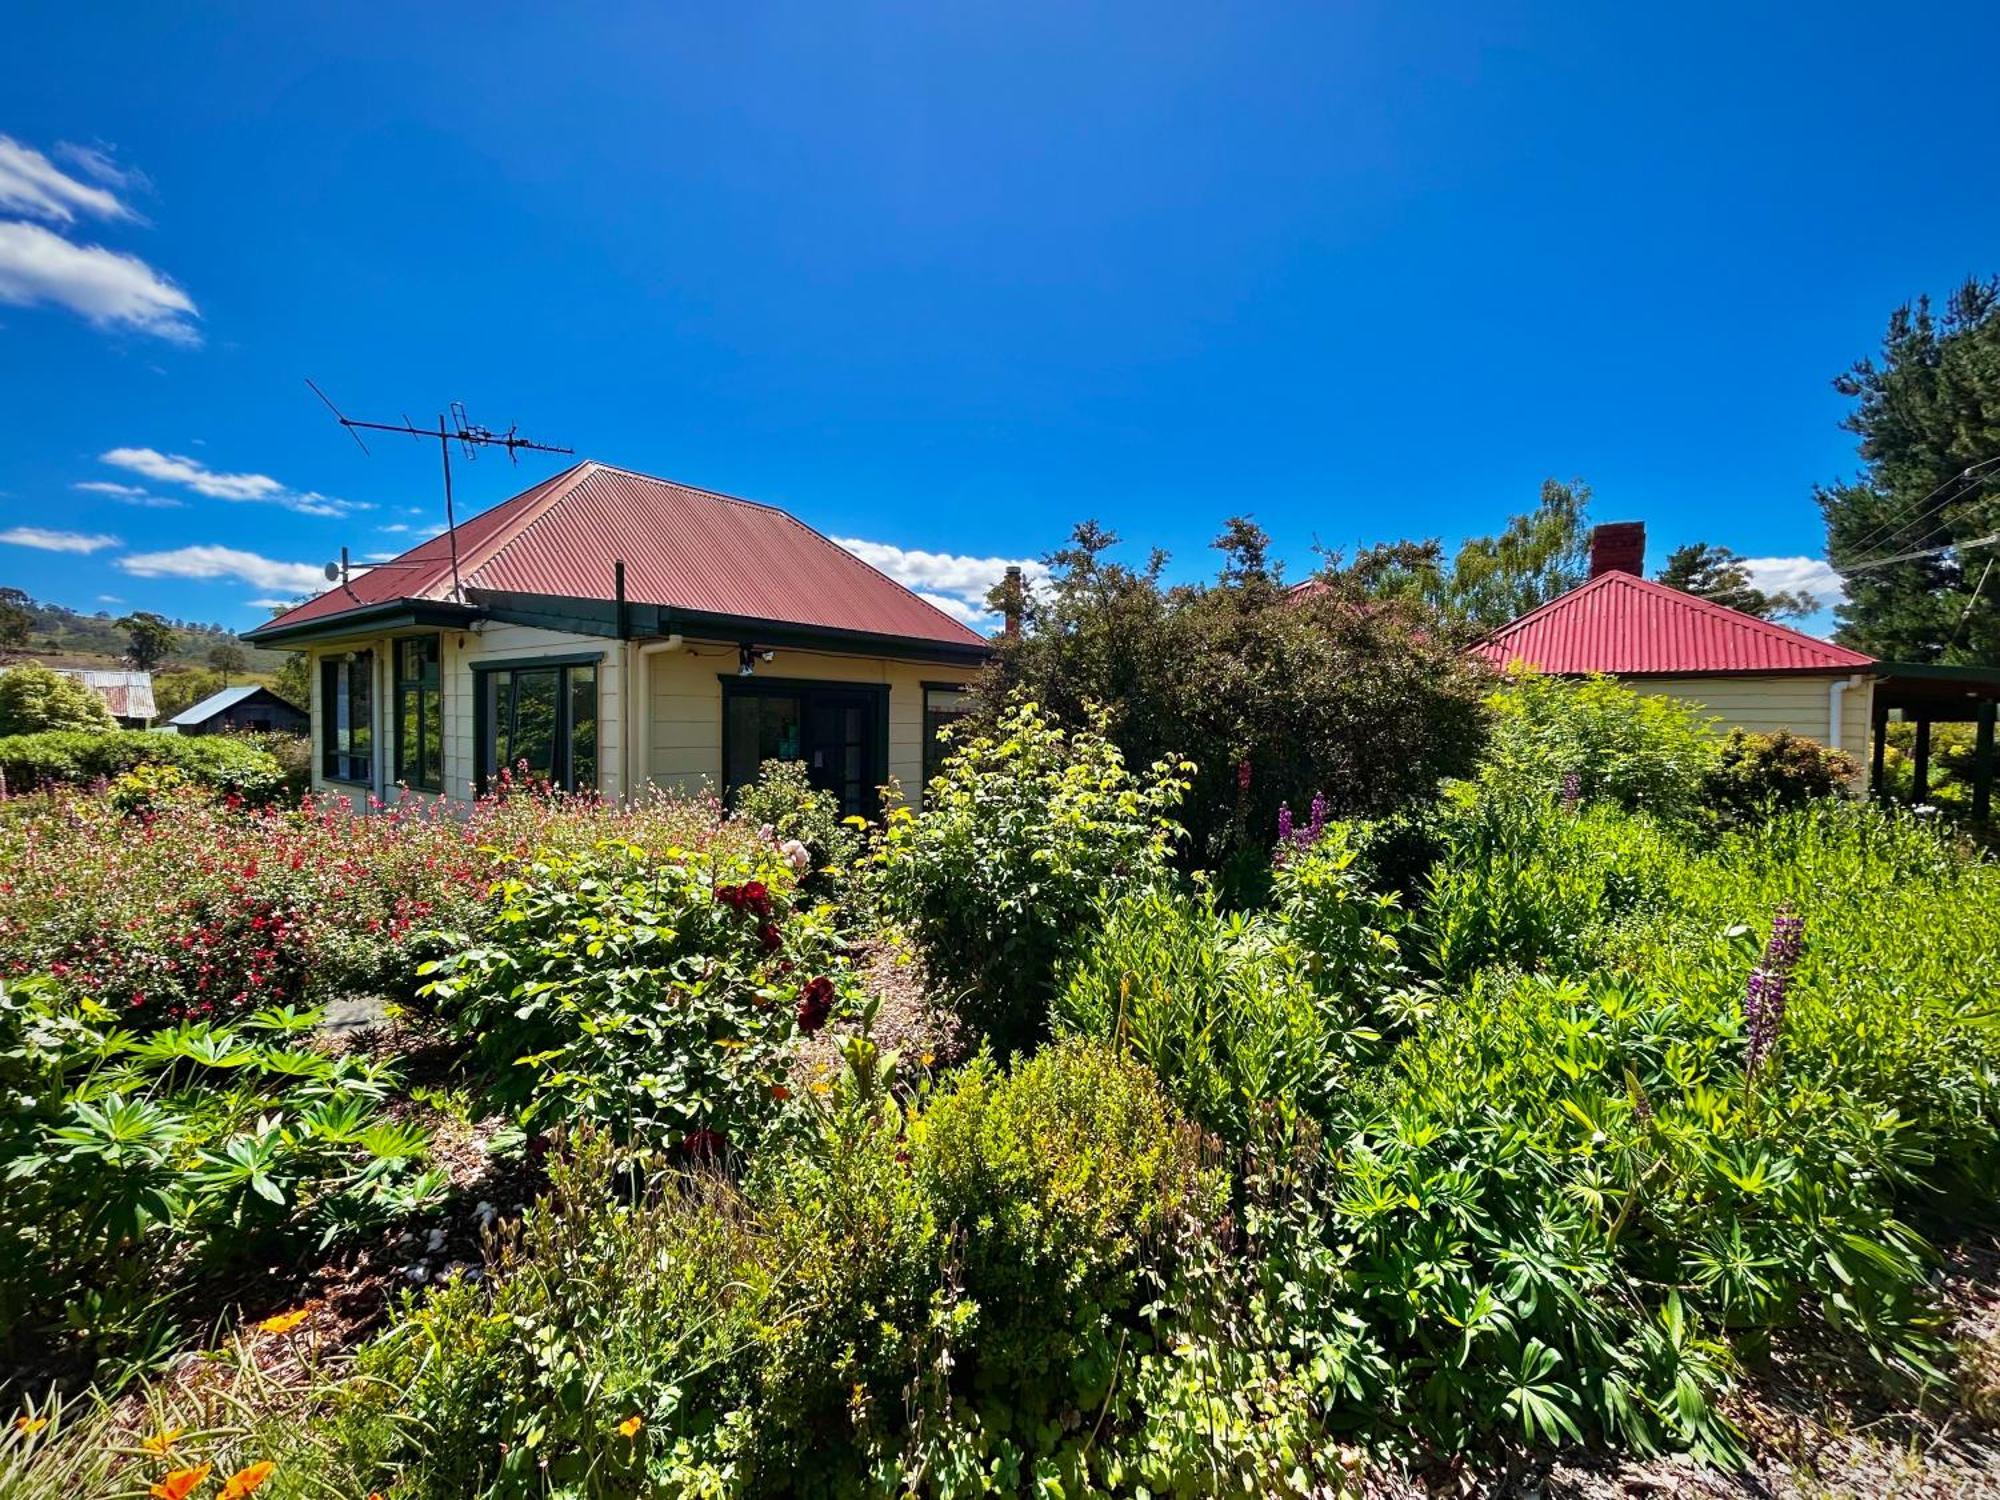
1572	791
1243	775
1765	992
1318	824
1284	822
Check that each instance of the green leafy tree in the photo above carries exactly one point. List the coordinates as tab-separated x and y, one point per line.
1718	574
1927	414
1490	580
293	682
151	639
230	659
17	622
1278	696
34	699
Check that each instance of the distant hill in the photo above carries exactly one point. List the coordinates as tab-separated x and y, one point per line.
65	637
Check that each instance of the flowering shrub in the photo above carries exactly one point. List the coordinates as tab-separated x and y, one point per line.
1755	774
226	766
165	904
658	992
1023	836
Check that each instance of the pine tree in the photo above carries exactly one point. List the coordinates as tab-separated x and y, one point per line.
1719	574
1928	419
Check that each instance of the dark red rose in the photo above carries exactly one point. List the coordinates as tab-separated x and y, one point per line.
705	1144
815	1004
768	935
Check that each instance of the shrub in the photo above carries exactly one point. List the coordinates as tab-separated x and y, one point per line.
228	767
784	801
1274	695
34	700
659	994
1597	740
1755	774
130	1169
943	1297
1023	835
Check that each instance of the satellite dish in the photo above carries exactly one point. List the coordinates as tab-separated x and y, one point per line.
332	572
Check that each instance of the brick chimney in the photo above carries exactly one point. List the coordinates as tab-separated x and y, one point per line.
1618	547
1014	589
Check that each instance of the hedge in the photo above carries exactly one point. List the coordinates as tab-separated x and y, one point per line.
31	762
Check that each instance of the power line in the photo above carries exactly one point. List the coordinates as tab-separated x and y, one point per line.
472	438
1882	562
1910	515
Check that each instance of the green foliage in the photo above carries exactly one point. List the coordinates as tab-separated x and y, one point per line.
129	1167
1491	580
1927	416
223	765
1718	574
149	639
1755	774
177	689
1274	695
1642	751
783	800
659	994
34	700
947	1296
1025	832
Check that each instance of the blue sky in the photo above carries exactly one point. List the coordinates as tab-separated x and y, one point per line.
947	278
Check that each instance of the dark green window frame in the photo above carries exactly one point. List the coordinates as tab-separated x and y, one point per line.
810	693
573	702
418	708
347	718
944	703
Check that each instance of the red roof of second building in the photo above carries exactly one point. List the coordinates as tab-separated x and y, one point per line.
1628	626
683	548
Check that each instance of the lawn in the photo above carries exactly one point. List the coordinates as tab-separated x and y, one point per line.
1586	1112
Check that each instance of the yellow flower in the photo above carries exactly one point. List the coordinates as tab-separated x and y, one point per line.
162	1441
629	1428
729	1043
245	1482
286	1322
181	1483
29	1426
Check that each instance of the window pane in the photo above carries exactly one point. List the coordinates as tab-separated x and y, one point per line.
432	759
534	737
582	729
361	710
761	727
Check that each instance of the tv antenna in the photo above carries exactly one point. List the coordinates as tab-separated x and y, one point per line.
458	430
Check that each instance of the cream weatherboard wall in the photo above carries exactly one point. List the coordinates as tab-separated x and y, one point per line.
459	652
676	743
683	740
1800	702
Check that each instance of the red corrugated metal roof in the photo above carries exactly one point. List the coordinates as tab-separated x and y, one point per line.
683	548
1630	626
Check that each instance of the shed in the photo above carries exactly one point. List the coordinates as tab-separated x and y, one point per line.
249	707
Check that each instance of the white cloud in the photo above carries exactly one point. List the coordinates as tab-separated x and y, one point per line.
32	184
128	494
206	562
1811	574
271	603
99	161
110	599
42	539
398	526
193	474
108	288
956	584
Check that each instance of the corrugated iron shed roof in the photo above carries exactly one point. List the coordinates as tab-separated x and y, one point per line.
129	695
683	548
215	703
1630	626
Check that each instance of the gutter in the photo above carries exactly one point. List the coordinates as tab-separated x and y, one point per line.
1835	691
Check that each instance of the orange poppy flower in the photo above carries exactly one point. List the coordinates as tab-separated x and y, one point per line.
163	1440
629	1428
286	1322
181	1483
245	1482
29	1426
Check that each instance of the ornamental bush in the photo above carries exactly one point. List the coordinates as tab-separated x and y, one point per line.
35	700
656	992
1756	774
225	766
1024	834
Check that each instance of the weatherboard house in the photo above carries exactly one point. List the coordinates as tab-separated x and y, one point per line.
608	631
1747	672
